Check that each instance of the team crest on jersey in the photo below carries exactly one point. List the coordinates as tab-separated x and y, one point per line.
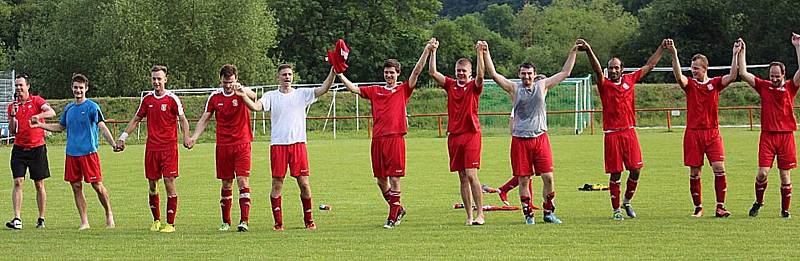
625	86
235	103
710	87
163	107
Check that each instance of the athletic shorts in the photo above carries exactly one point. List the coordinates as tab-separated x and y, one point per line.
158	164
86	167
531	156
464	150
697	143
622	147
294	156
388	156
31	159
777	143
233	161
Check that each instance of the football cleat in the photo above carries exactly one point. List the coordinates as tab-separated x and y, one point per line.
400	215
167	228
785	214
551	218
754	209
629	210
242	227
617	215
389	224
15	224
224	227
40	223
156	226
722	212
698	212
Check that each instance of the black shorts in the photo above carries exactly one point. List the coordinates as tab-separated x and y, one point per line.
33	159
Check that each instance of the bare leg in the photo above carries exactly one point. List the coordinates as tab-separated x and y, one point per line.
80	203
102	195
41	197
477	195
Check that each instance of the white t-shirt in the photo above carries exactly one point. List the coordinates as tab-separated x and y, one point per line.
288	114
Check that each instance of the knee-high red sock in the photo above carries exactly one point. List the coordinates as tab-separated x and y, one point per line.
720	187
549	207
155	207
244	204
696	188
526	206
761	187
394	204
226	200
510	184
307	210
630	189
277	211
613	190
172	209
387	196
786	196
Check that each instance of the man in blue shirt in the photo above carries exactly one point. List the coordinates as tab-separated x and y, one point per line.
82	119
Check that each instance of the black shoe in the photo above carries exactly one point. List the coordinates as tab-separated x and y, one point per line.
15	224
389	224
40	223
785	214
754	209
400	215
629	210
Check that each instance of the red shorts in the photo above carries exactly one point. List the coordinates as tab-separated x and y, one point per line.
622	147
158	164
777	143
388	156
531	156
464	150
295	156
699	142
86	167
233	161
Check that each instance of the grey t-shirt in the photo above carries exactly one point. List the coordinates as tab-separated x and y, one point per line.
530	112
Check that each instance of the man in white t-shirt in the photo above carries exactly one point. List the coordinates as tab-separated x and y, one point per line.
288	137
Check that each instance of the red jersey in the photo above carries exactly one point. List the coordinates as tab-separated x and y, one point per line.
162	120
233	118
26	136
777	105
702	103
462	106
618	99
388	108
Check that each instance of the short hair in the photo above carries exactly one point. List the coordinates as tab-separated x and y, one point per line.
621	64
392	63
156	68
465	61
780	65
284	66
527	65
80	78
228	70
702	58
22	76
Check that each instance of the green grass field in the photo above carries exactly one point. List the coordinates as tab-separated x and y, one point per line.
341	177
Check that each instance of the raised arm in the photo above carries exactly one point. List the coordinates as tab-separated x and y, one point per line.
566	70
480	69
653	60
501	80
326	85
348	84
412	79
796	43
107	135
599	77
746	76
734	73
433	44
676	64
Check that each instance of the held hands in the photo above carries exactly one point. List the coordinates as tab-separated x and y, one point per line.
120	146
432	45
582	45
796	40
482	46
669	44
742	45
188	142
737	46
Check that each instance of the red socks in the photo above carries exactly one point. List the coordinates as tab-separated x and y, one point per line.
226	198
549	207
510	184
155	206
277	212
786	196
613	189
172	209
720	186
761	186
307	210
630	188
526	206
696	188
244	204
394	204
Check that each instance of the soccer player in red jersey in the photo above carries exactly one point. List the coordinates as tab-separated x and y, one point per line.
29	152
163	110
463	127
621	145
702	126
233	143
531	152
287	106
778	124
388	151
